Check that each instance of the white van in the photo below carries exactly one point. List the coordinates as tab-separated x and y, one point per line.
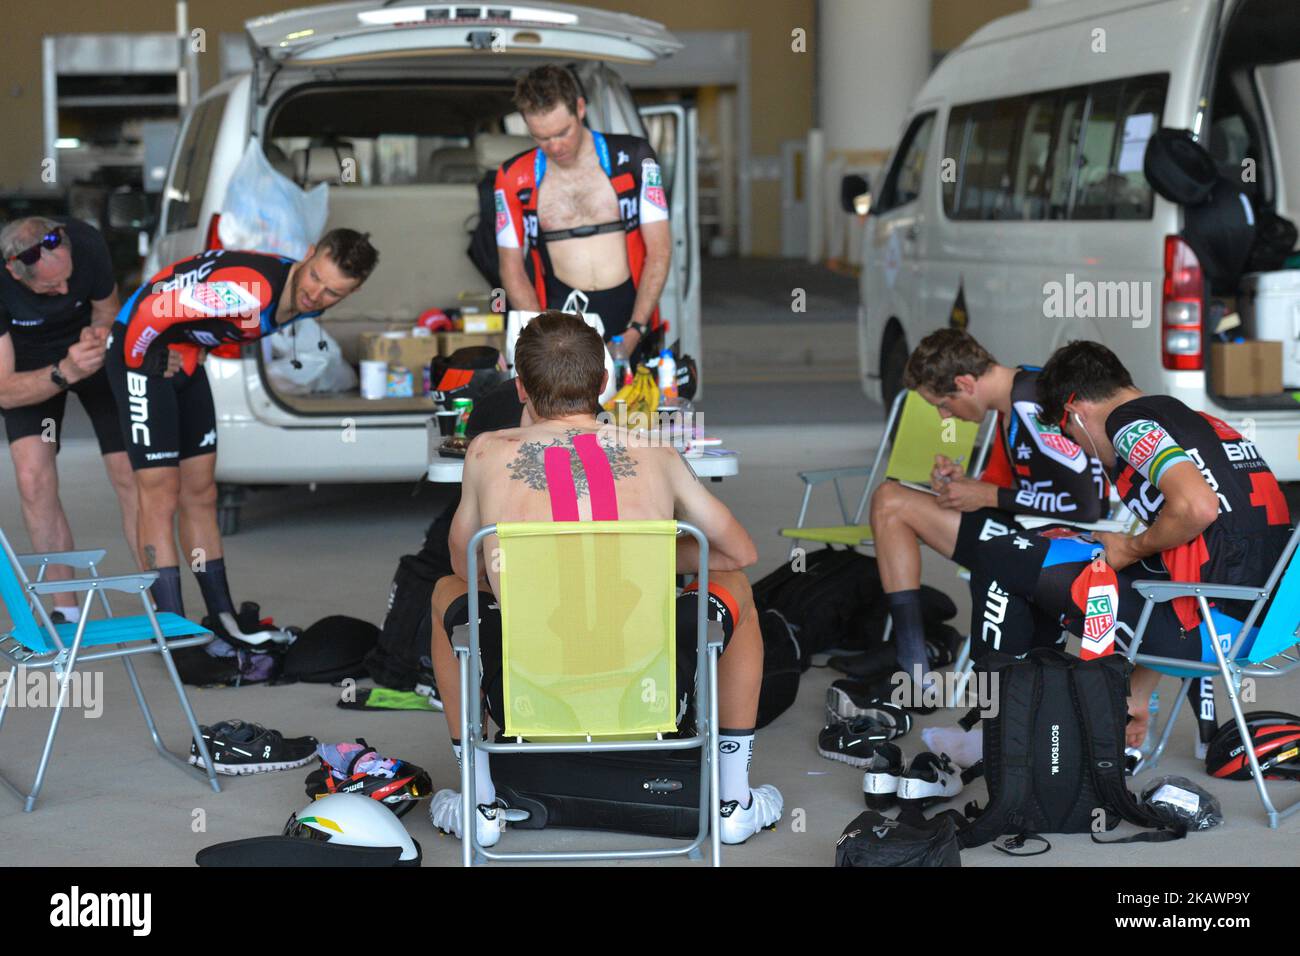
1015	200
419	96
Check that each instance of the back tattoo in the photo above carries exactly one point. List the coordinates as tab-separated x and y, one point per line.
529	466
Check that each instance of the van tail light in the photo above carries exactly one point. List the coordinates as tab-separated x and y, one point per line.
1181	307
213	238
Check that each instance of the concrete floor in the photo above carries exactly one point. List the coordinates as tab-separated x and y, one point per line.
110	801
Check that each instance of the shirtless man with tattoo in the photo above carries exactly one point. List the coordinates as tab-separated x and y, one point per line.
561	370
589	211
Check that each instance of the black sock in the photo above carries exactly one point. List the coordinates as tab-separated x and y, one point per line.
216	592
166	591
909	630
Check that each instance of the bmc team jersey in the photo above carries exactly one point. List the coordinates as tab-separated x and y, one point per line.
1153	433
1040	470
633	171
216	298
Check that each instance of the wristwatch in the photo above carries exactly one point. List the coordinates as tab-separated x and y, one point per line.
57	378
640	327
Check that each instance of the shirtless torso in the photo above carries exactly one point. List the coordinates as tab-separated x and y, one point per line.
581	195
505	480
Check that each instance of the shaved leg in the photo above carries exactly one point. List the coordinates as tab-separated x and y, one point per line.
901	518
740	668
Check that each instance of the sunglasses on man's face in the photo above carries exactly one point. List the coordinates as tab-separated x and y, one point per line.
32	254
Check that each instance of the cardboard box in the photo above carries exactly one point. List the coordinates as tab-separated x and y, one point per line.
412	351
451	341
483	321
1242	369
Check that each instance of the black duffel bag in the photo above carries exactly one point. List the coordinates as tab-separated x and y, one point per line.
873	839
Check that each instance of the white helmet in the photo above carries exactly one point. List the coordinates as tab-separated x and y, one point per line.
350	819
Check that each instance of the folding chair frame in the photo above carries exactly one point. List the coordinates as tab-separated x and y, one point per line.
1226	665
811	479
465	643
64	659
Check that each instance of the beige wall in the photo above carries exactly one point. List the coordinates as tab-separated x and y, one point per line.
781	81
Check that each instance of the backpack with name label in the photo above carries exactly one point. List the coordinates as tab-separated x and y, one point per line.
1054	752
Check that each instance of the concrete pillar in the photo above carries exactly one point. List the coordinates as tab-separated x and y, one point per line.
872	58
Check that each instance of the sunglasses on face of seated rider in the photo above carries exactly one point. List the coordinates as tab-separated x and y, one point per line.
29	256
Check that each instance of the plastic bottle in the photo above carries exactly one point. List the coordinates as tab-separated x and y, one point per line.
667	378
618	353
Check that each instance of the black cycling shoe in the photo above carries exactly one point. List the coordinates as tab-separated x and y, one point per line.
941	644
854	741
238	747
848	699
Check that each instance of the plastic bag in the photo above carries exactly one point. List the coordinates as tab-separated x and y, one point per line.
1179	801
320	369
267	212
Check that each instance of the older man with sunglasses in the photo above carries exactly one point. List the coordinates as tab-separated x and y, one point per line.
58	299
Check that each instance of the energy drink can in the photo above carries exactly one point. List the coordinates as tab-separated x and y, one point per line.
463	407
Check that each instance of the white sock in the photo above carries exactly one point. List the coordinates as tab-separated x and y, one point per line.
70	614
965	747
735	753
485	791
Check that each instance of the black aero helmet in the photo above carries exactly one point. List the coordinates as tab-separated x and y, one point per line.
1275	737
1178	167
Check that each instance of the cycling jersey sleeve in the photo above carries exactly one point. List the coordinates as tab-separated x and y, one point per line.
653	200
509	214
1055	478
1145	444
205	314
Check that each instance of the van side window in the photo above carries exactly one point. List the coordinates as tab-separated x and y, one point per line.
1029	190
193	161
903	182
954	147
1060	154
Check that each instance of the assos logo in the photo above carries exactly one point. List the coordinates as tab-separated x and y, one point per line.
1056	748
75	909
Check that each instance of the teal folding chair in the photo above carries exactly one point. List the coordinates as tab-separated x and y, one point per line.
32	644
1272	650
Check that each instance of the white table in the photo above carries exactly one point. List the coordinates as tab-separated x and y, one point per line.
714	464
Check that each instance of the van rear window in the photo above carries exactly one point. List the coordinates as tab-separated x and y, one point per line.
1073	153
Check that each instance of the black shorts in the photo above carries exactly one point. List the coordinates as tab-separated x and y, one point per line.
614	306
977	528
96	398
722	608
163	420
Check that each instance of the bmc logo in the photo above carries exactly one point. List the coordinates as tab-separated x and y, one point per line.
142	343
137	387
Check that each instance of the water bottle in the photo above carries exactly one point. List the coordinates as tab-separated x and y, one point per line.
667	378
618	353
1154	706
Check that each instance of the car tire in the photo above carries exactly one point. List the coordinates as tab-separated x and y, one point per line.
892	364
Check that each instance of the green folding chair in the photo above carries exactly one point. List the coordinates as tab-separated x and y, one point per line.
60	648
1270	651
914	434
588	654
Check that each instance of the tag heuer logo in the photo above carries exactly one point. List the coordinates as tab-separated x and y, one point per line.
1145	447
1129	436
1100	617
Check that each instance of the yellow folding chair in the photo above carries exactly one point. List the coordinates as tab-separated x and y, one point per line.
914	434
589	658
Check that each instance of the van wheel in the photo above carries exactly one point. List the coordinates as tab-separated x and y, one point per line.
230	498
892	364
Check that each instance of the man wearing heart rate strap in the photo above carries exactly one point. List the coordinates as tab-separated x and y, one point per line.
588	209
1033	470
57	300
564	465
213	299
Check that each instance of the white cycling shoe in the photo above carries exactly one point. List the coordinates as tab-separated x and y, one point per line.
740	823
489	820
270	635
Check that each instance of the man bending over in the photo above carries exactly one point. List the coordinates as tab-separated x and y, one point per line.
1034	470
560	361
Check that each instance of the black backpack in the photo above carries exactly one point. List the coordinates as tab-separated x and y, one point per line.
782	666
1054	753
827	602
482	249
